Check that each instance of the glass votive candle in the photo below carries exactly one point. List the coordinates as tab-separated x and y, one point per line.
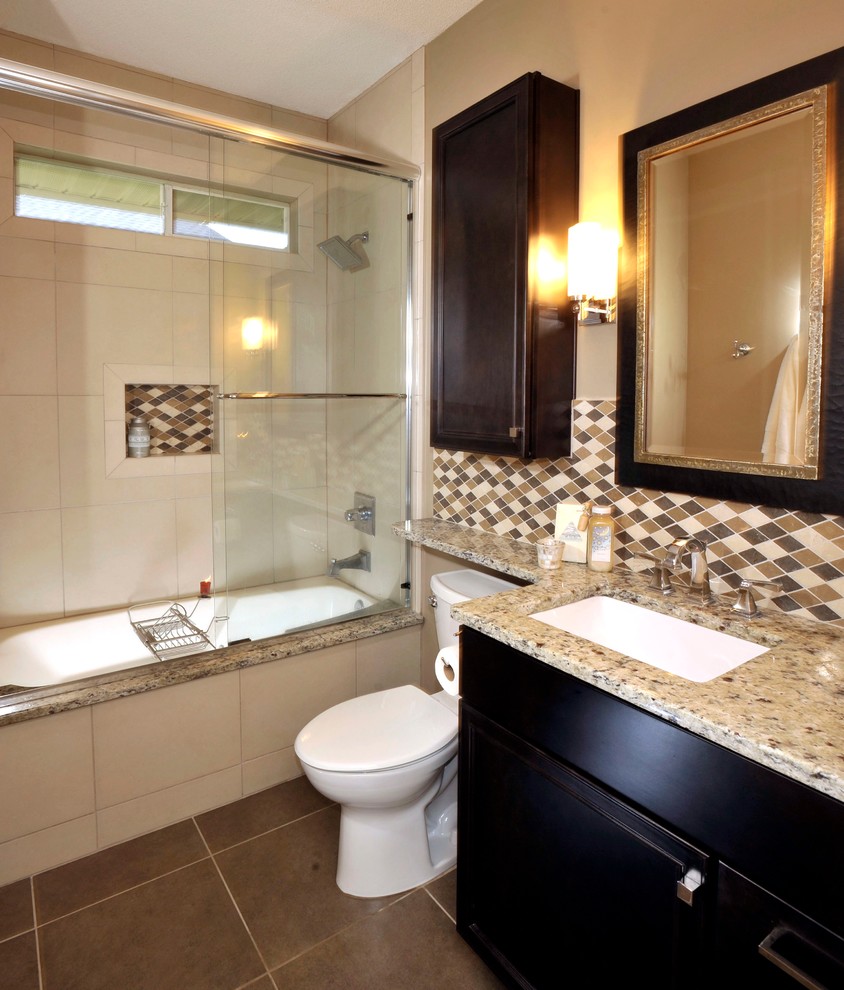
549	553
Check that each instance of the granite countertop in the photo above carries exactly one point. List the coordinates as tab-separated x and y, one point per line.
784	709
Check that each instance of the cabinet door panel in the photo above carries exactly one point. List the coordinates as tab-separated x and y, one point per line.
556	877
765	944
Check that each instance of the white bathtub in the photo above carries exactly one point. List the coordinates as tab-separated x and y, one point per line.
63	650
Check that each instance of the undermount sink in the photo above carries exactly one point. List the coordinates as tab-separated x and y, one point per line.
663	641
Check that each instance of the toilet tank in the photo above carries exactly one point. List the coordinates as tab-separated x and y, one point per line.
461	585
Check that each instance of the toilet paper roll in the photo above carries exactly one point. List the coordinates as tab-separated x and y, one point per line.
447	669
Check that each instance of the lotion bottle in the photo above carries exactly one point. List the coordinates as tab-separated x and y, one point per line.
600	539
138	439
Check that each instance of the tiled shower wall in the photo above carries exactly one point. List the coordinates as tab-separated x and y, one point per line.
803	552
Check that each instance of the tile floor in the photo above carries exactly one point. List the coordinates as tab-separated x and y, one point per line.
239	897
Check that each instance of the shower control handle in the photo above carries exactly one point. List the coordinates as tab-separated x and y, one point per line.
363	514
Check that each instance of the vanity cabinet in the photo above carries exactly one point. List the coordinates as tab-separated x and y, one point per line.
596	838
505	193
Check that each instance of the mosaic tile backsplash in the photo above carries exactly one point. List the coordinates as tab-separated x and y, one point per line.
180	417
803	552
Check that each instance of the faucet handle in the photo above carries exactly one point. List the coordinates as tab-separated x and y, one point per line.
745	603
661	579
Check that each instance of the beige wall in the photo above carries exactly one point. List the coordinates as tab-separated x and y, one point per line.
632	62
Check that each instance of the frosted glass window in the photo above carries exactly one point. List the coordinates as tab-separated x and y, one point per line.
71	192
54	190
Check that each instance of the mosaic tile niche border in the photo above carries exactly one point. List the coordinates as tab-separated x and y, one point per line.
180	417
804	552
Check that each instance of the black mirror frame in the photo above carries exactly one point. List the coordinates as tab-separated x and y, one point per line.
826	494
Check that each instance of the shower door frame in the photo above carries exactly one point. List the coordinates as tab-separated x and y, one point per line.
30	80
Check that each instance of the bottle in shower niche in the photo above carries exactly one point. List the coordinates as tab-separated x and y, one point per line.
137	439
600	539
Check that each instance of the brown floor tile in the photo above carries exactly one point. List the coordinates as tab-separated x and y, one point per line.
19	963
180	932
284	884
15	908
444	892
258	813
410	945
102	874
265	983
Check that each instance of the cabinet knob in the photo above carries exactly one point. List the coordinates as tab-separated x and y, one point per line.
515	432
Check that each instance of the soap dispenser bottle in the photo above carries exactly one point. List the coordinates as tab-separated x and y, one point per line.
600	539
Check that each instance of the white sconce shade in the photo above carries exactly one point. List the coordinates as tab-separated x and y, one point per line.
593	271
593	261
252	333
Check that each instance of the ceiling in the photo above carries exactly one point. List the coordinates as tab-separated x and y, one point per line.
313	56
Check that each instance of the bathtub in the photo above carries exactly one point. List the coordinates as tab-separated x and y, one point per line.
64	650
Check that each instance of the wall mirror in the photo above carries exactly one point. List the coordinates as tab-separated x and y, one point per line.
730	370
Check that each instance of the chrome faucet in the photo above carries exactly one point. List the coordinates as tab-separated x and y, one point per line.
360	561
698	565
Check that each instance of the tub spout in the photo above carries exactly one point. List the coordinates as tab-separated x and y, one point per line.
360	561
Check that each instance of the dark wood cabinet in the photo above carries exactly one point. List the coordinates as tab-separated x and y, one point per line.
505	187
597	838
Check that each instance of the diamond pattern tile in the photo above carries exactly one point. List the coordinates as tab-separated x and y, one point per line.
802	551
180	417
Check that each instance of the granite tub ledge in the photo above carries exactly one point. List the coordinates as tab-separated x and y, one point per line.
784	709
20	704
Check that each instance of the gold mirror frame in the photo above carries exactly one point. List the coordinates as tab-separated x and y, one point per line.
816	101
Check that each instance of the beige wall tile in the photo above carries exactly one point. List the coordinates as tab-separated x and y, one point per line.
101	324
274	768
20	49
46	772
104	266
28	339
221	103
118	554
149	742
110	73
47	848
29	441
299	123
84	480
31	578
104	126
173	804
193	541
383	115
389	660
279	698
27	259
191	333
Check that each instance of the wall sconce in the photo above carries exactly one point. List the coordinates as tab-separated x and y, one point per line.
593	272
252	334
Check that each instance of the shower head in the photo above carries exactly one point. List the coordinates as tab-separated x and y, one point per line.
343	254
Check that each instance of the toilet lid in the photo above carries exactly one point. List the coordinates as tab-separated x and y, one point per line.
377	731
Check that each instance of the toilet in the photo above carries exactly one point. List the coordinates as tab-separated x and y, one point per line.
389	759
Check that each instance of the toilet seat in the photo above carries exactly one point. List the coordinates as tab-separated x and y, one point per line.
377	731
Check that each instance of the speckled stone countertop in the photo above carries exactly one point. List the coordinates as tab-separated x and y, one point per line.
784	709
21	704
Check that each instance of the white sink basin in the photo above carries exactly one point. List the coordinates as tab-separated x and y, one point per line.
671	644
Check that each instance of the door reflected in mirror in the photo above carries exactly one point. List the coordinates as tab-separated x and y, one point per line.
731	230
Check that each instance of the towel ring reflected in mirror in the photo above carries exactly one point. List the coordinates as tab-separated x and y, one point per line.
730	248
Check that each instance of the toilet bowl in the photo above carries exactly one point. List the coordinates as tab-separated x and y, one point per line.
389	759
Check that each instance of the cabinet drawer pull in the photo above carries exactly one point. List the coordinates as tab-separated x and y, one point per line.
782	938
688	884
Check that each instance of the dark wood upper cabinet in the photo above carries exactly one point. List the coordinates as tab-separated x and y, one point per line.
505	185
